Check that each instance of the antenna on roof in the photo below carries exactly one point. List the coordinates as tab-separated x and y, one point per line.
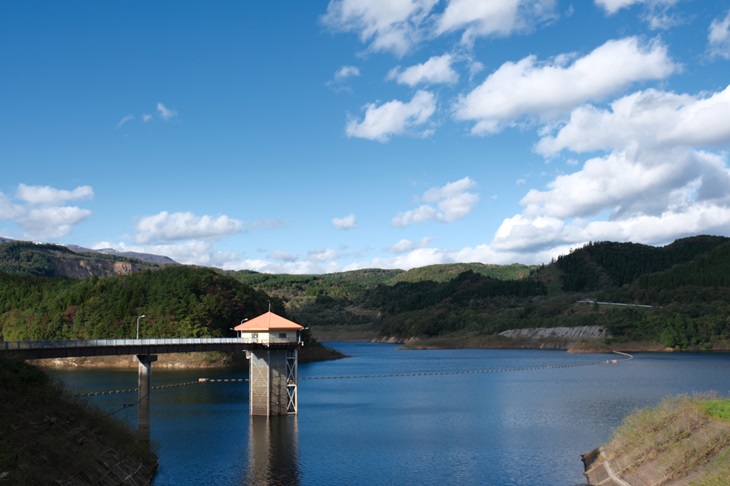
269	306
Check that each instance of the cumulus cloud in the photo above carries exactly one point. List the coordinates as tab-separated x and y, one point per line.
51	222
385	25
436	70
494	18
646	119
530	88
41	211
348	222
718	37
394	118
446	204
654	183
47	195
166	226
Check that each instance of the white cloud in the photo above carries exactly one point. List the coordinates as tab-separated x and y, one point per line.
8	210
165	112
342	75
322	255
347	72
481	18
405	245
649	118
718	37
41	211
625	185
394	118
529	88
413	259
348	222
613	6
47	195
51	222
436	70
166	226
653	184
656	12
125	120
447	204
386	25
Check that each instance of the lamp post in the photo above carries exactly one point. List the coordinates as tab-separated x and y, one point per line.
140	317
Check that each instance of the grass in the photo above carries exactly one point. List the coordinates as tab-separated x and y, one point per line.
717	409
47	437
682	436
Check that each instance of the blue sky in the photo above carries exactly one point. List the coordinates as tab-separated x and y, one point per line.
312	137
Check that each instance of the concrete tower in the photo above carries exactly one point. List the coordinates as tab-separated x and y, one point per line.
274	363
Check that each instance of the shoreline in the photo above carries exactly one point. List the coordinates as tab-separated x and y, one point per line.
221	360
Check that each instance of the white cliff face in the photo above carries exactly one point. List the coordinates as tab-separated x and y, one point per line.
565	333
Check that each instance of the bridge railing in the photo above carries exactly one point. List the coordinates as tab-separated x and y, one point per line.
86	343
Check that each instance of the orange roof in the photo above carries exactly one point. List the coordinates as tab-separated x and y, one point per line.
268	322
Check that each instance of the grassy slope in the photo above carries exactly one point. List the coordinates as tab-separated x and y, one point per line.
677	439
48	438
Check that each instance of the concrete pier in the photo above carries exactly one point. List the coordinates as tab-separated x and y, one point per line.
143	395
274	363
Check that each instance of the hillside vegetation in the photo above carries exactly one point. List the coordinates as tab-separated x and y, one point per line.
47	437
678	294
45	260
675	296
681	441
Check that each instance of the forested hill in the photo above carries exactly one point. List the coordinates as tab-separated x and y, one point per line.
179	301
686	283
47	260
606	264
685	287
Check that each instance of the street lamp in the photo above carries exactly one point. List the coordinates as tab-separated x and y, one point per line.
140	317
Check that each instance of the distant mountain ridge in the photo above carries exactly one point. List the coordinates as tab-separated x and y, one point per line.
49	260
145	257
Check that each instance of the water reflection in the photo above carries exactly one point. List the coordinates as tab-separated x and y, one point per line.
273	458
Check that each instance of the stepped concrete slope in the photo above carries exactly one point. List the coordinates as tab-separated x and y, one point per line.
562	333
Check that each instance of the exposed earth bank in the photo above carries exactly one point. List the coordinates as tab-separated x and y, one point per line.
580	339
683	441
49	437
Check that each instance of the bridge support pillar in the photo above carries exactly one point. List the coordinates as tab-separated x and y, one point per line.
143	395
273	381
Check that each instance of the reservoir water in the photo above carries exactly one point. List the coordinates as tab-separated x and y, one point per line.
523	427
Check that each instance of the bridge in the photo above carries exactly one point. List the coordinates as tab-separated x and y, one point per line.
120	347
273	358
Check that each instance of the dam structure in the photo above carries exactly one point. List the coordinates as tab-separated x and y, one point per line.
270	341
273	364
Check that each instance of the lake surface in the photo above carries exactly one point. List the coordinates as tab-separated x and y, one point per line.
524	427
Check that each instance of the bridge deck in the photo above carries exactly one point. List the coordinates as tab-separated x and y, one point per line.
121	347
